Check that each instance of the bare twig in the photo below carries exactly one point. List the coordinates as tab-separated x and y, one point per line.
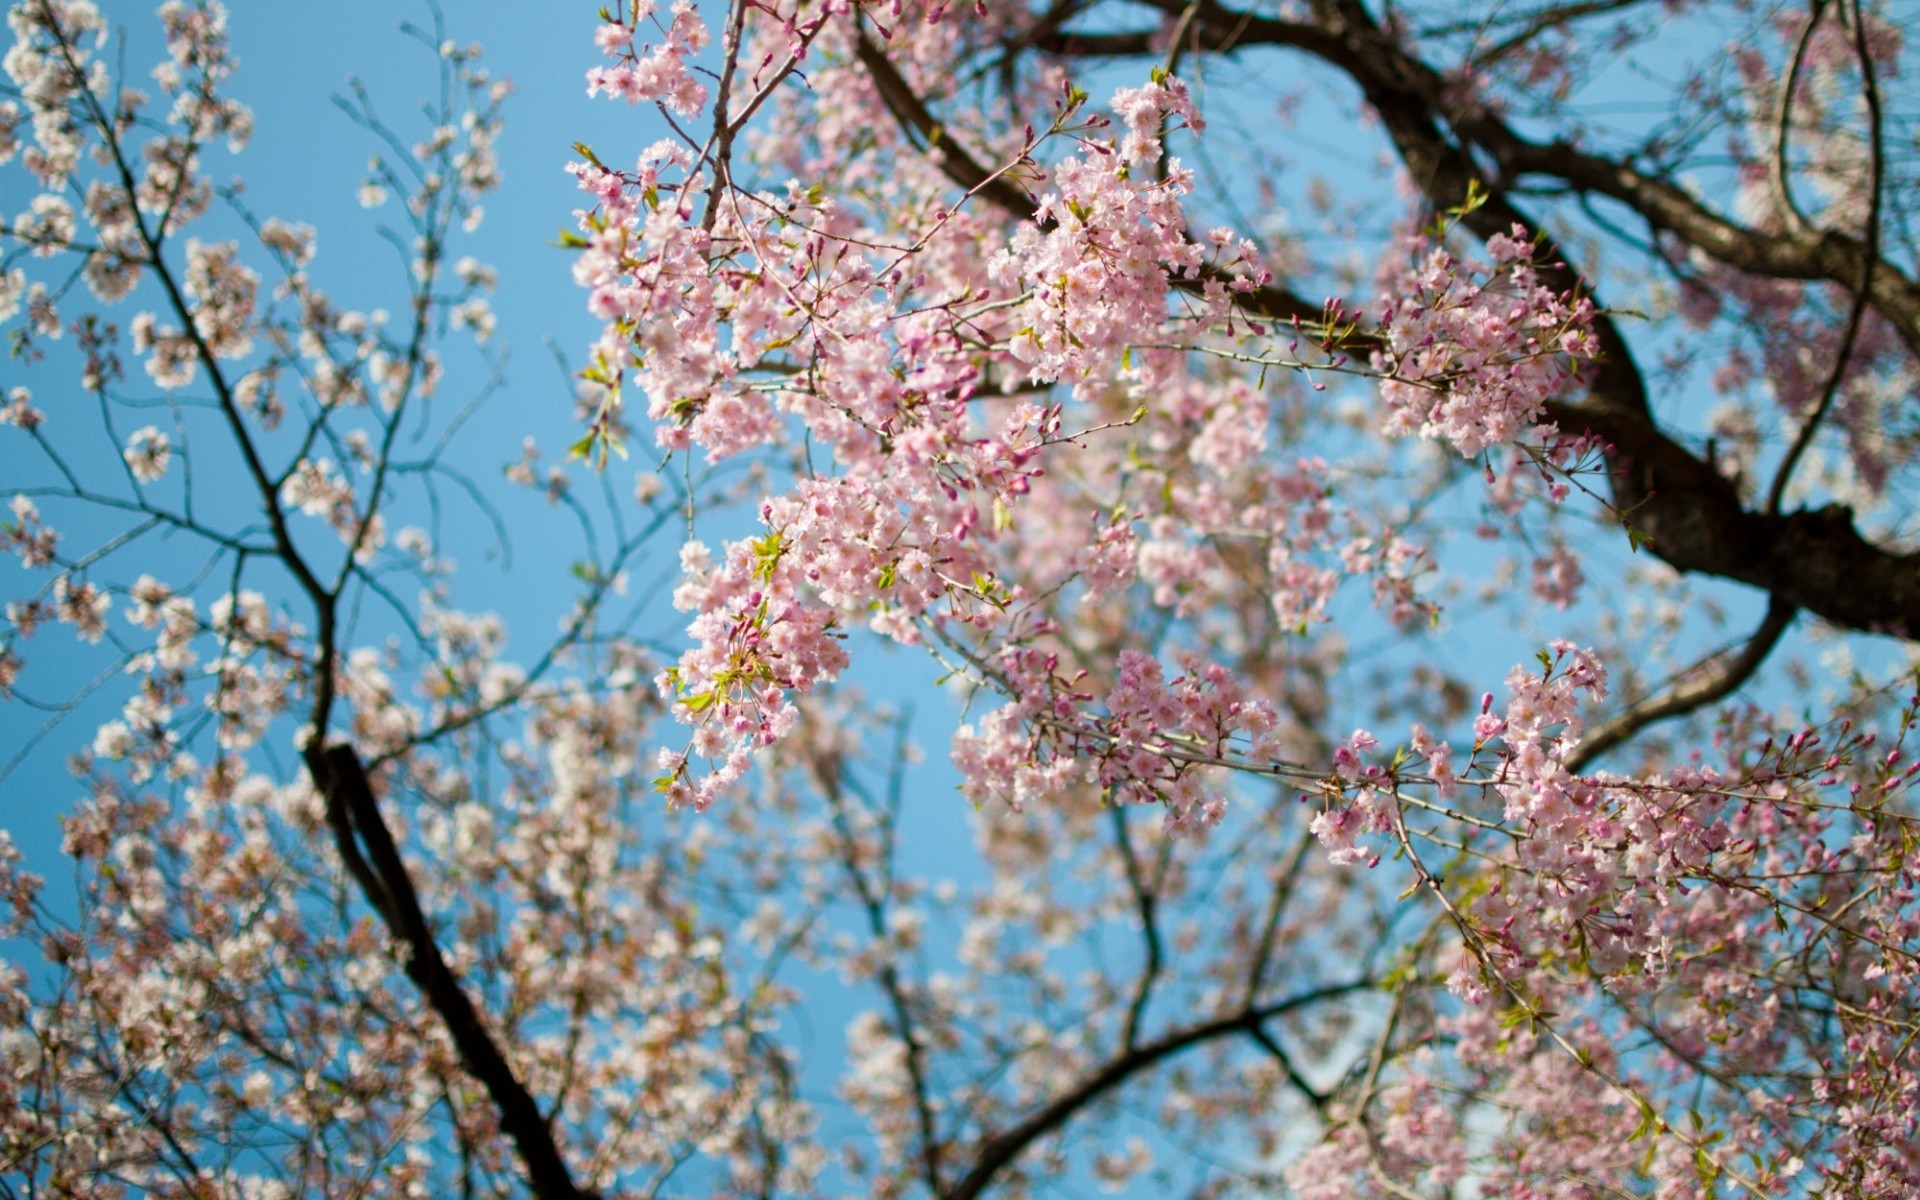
1869	260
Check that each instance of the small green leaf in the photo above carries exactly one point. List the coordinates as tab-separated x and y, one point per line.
1649	1123
1708	1170
1002	516
766	555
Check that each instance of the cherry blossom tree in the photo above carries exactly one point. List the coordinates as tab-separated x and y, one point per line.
1221	491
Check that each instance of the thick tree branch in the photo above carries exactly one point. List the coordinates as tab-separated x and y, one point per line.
1692	518
1346	37
925	130
353	812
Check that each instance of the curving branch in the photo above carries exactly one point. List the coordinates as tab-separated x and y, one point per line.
1706	682
997	1152
1146	904
1876	169
1777	168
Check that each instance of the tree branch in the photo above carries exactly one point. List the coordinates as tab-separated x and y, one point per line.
1876	163
1345	36
1145	903
1692	518
873	897
352	810
1706	682
924	129
998	1151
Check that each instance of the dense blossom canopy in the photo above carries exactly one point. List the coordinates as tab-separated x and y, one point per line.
1220	485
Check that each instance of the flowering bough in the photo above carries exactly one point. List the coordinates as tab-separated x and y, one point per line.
982	325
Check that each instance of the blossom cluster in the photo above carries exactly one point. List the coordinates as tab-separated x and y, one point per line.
702	286
1473	351
1152	739
661	73
1639	892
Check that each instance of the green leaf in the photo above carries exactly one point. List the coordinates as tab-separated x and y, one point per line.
1709	1170
1475	200
766	555
1002	516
